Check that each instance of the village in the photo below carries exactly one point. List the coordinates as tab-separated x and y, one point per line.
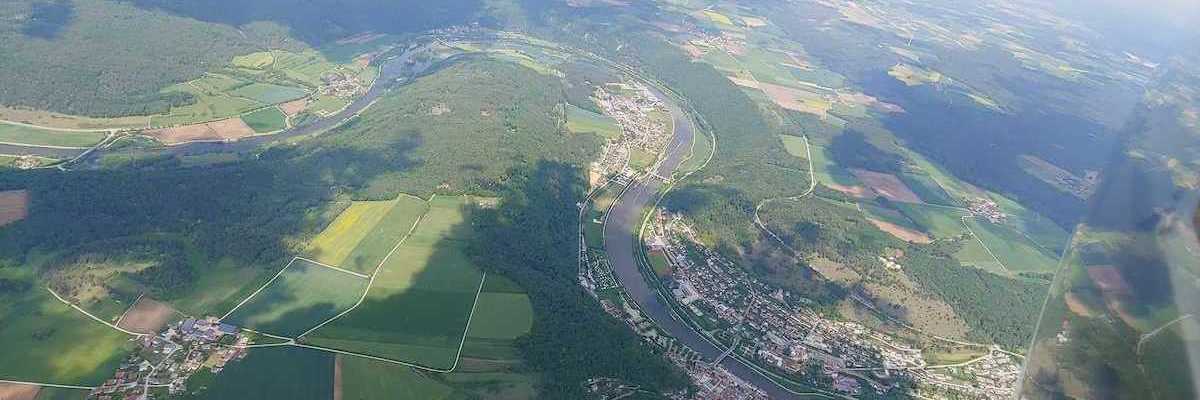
777	329
167	360
645	128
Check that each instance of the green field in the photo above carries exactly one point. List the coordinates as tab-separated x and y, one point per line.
268	93
893	216
366	379
794	146
269	373
639	159
208	107
365	233
20	134
1016	252
501	316
307	66
422	297
53	393
584	121
51	342
974	254
937	221
335	243
257	60
928	189
302	297
266	120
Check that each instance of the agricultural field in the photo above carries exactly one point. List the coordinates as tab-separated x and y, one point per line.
14	206
829	172
1014	251
939	222
266	120
335	243
25	161
928	190
21	134
301	297
421	299
584	121
269	373
147	316
268	93
57	343
365	379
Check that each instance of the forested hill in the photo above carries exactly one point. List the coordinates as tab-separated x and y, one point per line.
106	58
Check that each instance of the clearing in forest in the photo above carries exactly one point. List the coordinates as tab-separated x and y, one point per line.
14	206
303	295
421	299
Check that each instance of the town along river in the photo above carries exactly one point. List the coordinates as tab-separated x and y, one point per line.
623	221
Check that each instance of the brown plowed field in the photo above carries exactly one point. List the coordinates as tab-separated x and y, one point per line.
227	129
887	185
147	316
16	391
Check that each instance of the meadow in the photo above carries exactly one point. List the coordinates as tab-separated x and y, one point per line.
418	307
20	134
335	243
268	93
304	295
928	190
584	121
266	120
794	146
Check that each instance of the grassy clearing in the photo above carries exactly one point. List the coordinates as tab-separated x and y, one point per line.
327	105
974	254
305	295
936	221
418	307
1016	252
266	120
269	373
584	121
21	134
51	342
334	244
371	249
794	146
267	93
257	60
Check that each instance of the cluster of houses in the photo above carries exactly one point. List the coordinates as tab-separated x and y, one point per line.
986	209
635	107
777	330
168	359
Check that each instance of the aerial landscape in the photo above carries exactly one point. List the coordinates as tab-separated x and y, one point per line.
599	199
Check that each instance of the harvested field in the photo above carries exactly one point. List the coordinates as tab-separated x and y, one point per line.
855	191
797	99
14	206
16	391
227	130
294	107
887	185
146	316
901	232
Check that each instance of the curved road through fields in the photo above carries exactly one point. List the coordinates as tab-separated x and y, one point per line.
624	220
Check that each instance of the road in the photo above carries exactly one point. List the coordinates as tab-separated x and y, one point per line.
623	221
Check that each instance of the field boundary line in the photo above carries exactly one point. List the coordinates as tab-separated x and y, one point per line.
334	268
80	309
131	306
47	384
368	356
985	247
264	286
371	280
467	329
51	128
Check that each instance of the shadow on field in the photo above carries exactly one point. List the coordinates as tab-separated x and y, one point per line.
248	212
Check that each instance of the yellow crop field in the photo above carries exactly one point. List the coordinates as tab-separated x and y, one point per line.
335	243
718	17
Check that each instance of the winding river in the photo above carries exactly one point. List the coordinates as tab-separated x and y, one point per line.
624	220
